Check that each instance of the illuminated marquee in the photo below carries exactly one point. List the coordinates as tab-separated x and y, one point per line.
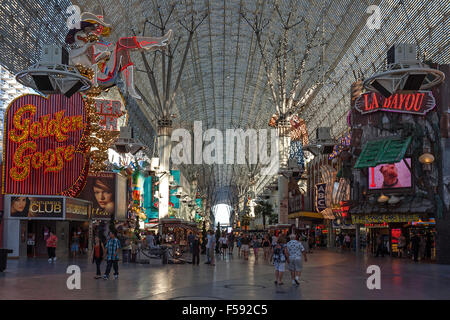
109	112
43	149
417	102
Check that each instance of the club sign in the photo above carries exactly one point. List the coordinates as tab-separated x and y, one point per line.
42	145
417	102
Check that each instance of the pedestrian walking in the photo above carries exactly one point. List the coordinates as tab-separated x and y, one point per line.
213	248
422	246
208	247
97	255
75	244
239	244
112	256
230	243
266	247
401	245
274	243
347	240
223	242
245	241
380	245
279	260
196	250
51	246
191	242
415	246
295	251
256	244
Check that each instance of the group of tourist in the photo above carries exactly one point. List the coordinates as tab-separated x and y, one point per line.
276	250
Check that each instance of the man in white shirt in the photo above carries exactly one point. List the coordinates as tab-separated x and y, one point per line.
295	251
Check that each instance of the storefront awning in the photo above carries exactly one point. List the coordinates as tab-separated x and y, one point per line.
308	214
389	150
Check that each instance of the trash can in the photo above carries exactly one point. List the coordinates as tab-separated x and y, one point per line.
4	258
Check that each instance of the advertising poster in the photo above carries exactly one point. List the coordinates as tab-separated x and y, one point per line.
100	189
390	176
151	209
36	207
121	201
173	200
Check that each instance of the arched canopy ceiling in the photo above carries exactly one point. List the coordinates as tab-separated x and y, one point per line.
224	83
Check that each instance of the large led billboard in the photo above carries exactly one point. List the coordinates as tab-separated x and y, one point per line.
390	176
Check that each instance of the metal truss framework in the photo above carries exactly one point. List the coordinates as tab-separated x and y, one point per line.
224	83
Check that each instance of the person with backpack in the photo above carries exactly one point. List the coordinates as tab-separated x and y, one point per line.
279	260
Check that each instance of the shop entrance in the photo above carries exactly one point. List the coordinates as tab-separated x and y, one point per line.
37	232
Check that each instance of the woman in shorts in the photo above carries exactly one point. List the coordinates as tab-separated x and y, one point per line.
279	260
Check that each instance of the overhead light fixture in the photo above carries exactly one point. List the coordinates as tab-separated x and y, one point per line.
383	198
394	200
426	158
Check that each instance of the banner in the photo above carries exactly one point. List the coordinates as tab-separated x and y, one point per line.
384	218
100	189
43	152
151	210
77	209
320	197
417	102
36	207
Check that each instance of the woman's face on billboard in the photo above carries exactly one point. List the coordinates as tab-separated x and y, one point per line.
103	197
19	204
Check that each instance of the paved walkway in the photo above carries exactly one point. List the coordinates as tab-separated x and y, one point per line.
327	275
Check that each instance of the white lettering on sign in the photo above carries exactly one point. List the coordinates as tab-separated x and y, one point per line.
74	281
374	20
374	281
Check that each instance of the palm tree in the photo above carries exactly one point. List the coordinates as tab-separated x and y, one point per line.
263	210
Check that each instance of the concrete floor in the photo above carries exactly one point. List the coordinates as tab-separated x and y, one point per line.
327	275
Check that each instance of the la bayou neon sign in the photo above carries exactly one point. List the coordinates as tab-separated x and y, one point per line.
42	144
418	102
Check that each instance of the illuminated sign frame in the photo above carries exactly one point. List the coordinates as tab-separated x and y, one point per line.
321	196
44	149
411	102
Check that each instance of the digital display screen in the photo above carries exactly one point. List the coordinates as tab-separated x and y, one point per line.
390	176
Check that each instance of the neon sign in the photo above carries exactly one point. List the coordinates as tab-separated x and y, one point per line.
44	153
418	102
109	112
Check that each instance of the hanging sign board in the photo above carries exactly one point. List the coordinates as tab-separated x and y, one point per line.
320	197
416	102
111	110
43	152
384	218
